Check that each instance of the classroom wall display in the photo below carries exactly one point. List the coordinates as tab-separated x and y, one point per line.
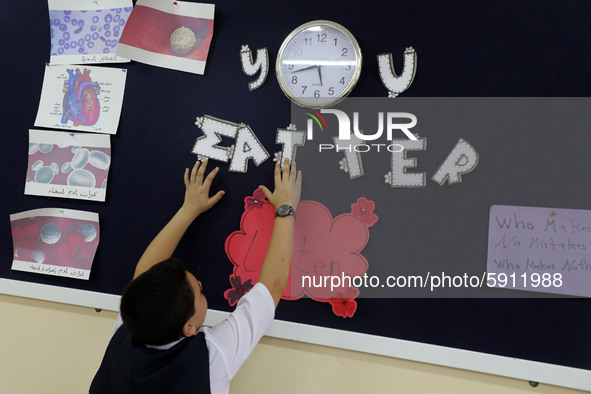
489	75
169	34
60	242
84	99
68	165
86	32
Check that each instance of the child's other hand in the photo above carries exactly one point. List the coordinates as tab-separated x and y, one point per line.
197	199
288	186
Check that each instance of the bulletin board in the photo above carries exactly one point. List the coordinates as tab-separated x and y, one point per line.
466	49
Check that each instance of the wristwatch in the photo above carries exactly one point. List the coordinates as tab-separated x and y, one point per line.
284	210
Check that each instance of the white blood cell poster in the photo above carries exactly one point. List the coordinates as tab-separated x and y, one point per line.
168	34
81	98
53	241
68	165
85	32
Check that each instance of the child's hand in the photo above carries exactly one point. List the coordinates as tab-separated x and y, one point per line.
197	198
288	186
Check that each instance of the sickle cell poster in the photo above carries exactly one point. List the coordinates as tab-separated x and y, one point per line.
81	98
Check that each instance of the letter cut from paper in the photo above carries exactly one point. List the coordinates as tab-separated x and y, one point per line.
398	175
290	139
174	35
462	159
247	145
397	84
250	67
81	98
52	241
86	32
351	163
544	250
68	165
325	247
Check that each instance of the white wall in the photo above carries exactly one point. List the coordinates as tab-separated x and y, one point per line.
50	348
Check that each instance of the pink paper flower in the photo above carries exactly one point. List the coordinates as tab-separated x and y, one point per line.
256	201
344	305
363	209
238	289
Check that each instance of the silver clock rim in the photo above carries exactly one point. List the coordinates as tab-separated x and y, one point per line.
353	80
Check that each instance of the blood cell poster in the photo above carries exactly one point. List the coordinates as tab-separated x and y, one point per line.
84	32
53	241
68	165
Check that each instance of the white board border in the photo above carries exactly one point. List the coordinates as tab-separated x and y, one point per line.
557	375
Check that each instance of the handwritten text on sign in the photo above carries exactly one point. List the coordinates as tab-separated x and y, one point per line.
550	246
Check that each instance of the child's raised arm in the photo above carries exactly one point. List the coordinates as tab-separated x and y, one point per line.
277	262
197	201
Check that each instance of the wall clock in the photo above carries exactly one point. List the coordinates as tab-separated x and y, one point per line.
318	64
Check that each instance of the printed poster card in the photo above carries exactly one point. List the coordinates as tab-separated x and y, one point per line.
174	35
68	165
81	98
53	241
84	32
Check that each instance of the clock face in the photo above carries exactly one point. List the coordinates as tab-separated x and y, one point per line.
318	64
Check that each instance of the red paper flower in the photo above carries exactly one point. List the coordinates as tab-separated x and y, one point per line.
238	289
363	209
256	201
345	305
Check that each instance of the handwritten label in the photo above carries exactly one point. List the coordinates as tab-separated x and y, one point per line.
540	249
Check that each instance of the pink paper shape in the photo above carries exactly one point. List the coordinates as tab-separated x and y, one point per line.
323	246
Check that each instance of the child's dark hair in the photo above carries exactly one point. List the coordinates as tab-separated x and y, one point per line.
156	304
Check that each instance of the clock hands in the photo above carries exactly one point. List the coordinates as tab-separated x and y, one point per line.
304	69
317	67
319	74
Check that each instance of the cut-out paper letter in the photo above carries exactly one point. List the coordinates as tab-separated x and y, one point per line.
290	139
247	147
250	67
462	159
352	164
397	84
398	176
213	131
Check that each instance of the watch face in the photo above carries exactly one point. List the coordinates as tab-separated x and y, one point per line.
318	64
283	210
